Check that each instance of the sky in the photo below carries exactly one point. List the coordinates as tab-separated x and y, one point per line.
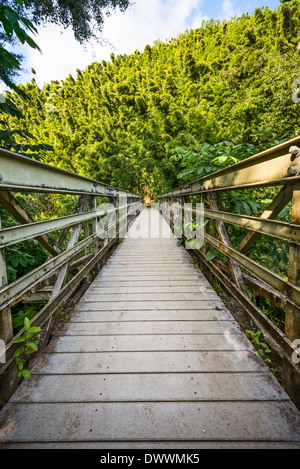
143	23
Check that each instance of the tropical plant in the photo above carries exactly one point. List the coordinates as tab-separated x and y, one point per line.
29	346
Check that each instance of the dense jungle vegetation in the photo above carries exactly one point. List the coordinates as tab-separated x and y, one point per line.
150	121
122	121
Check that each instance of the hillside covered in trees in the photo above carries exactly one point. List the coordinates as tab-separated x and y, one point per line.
137	121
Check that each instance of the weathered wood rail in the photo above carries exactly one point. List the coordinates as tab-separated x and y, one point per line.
275	167
102	210
151	357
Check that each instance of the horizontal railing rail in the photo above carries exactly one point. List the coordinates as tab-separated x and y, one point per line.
20	173
15	290
17	234
87	235
277	229
268	168
277	166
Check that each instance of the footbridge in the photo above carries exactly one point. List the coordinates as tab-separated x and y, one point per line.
148	354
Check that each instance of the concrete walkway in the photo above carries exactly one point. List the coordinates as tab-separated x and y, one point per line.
151	358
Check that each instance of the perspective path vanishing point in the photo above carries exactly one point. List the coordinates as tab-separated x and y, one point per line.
151	358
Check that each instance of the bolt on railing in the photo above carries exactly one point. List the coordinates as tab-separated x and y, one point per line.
276	167
95	229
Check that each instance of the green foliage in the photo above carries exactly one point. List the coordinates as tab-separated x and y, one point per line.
210	255
154	120
19	313
22	257
29	346
261	347
191	106
86	18
275	313
14	27
199	159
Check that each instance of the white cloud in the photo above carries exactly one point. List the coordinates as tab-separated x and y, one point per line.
229	10
61	55
143	23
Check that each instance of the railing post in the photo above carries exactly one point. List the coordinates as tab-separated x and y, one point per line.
113	201
86	231
290	377
233	265
292	318
93	204
6	329
116	201
204	247
8	380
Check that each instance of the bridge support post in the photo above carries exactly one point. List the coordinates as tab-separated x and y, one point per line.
93	204
291	379
63	273
9	380
233	265
86	231
6	330
292	319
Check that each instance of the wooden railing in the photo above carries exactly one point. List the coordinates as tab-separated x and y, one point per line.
96	223
274	167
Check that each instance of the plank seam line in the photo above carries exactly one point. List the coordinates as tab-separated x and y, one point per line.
154	401
139	309
98	285
156	274
200	293
83	308
116	281
153	301
147	351
147	373
151	334
140	334
127	300
163	373
177	321
91	440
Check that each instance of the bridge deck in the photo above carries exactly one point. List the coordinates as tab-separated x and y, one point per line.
151	358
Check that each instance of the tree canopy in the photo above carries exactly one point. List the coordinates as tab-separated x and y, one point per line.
155	119
17	25
20	17
122	121
86	18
